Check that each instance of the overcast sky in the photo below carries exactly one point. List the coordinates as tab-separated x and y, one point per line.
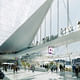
14	12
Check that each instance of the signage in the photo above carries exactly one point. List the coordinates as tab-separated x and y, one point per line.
50	50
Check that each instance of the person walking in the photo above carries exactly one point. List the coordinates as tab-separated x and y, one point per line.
77	70
32	68
60	67
1	75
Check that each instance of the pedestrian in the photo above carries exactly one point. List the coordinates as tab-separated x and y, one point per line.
56	68
14	68
32	68
52	67
1	75
77	70
60	67
73	68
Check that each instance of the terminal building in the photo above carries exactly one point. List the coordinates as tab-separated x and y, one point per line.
39	39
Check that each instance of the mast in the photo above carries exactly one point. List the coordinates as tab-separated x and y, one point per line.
67	13
58	17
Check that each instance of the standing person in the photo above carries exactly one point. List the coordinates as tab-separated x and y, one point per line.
60	67
5	67
73	68
56	67
32	68
28	67
77	70
64	67
61	31
52	67
14	68
1	75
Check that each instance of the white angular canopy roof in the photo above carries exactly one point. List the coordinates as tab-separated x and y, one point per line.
25	34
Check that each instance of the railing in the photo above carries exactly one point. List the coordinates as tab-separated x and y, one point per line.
69	30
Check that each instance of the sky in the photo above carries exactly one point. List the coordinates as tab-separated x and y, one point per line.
14	12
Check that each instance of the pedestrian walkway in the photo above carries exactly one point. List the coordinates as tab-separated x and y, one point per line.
37	75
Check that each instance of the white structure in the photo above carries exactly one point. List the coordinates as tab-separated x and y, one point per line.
23	37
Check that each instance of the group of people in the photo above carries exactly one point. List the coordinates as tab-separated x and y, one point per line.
28	66
15	68
54	67
66	30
